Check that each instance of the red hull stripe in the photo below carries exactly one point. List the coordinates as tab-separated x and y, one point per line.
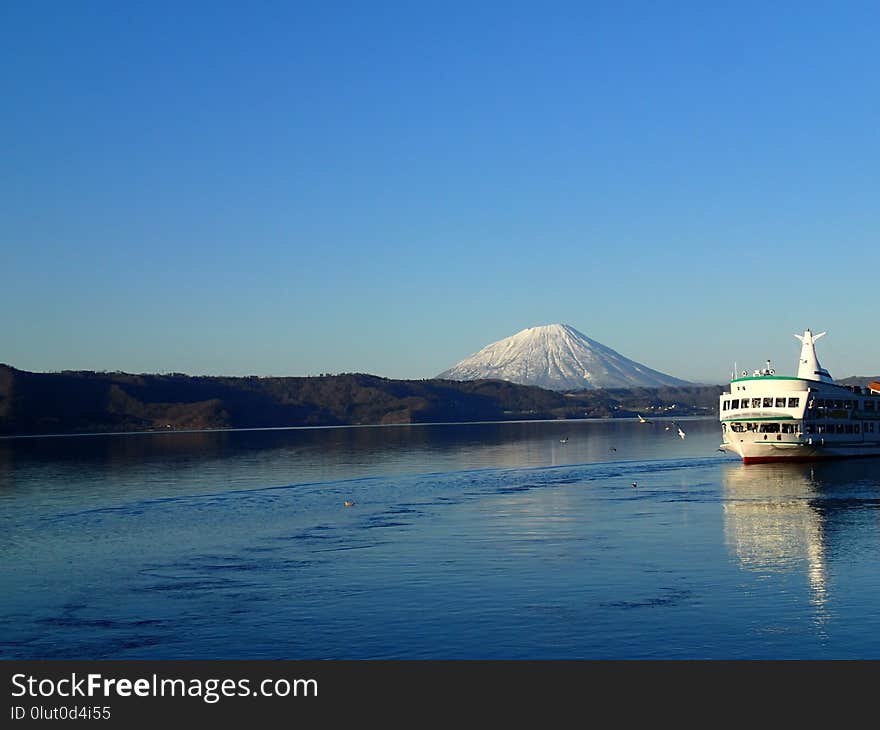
815	457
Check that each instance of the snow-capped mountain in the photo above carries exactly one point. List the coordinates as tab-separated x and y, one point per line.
557	357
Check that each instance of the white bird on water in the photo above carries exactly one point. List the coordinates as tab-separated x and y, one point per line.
642	419
564	441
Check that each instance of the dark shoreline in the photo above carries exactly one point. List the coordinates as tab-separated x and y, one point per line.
84	402
165	432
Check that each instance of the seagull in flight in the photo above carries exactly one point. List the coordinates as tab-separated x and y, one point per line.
681	433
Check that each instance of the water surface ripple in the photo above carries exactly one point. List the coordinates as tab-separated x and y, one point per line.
464	541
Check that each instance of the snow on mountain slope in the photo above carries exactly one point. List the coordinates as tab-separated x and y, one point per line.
557	357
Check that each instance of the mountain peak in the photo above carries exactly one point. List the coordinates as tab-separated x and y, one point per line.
556	357
550	328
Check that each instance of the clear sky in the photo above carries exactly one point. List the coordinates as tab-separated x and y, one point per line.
294	188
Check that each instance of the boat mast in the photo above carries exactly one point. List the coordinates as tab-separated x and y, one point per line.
808	366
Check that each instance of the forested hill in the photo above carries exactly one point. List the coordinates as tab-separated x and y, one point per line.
82	401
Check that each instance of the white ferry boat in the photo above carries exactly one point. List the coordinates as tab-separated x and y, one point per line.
770	417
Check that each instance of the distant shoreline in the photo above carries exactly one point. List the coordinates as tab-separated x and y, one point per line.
167	432
80	403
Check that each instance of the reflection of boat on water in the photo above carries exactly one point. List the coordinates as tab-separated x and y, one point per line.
769	417
768	517
770	523
786	517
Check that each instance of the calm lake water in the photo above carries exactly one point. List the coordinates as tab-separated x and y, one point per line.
479	541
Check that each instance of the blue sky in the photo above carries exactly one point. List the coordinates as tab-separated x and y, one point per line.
295	188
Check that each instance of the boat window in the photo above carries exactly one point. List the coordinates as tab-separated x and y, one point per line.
756	402
848	428
734	403
787	428
839	428
725	405
780	402
856	428
869	405
737	427
811	428
769	428
794	402
838	404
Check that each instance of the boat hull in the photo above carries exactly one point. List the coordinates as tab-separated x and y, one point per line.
807	457
823	457
760	453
